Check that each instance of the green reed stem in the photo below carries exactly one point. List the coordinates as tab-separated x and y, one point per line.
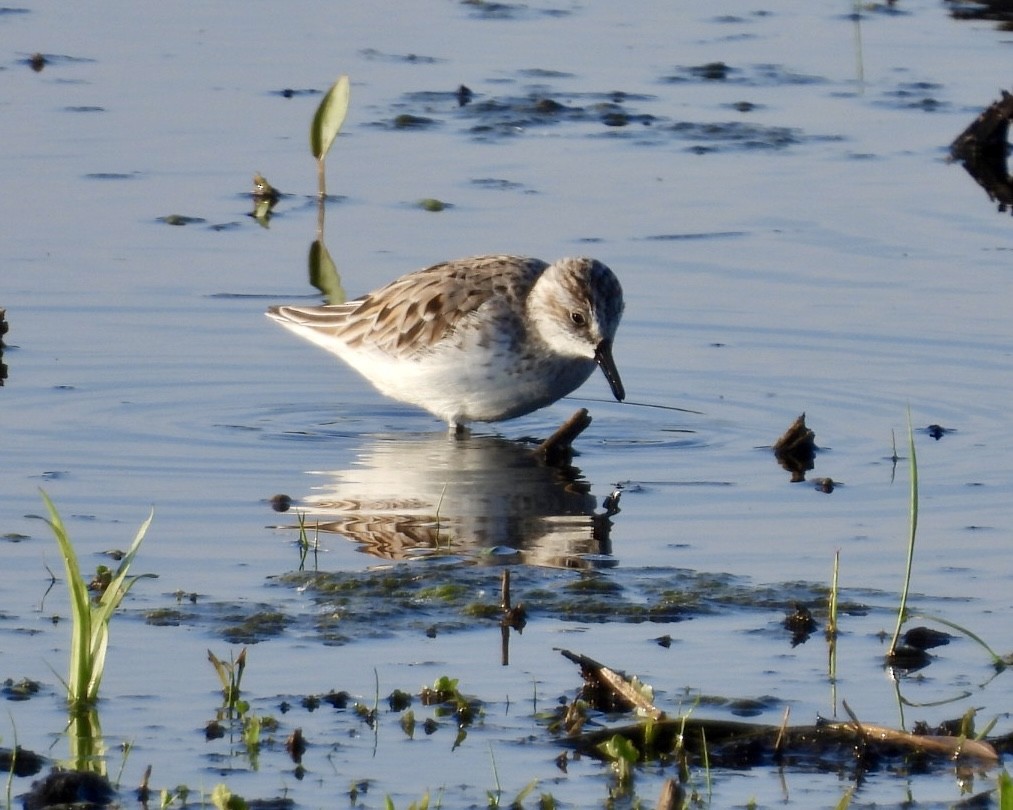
913	474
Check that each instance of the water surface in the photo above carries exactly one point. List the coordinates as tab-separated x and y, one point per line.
790	238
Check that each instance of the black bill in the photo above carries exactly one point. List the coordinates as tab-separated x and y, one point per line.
603	357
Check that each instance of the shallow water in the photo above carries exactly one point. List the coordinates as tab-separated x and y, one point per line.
815	253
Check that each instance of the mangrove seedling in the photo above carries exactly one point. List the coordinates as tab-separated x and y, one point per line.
327	121
90	619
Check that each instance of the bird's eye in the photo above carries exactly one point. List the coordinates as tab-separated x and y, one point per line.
578	318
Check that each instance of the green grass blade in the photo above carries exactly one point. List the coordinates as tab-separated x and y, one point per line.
1005	790
90	622
80	606
103	612
329	117
913	466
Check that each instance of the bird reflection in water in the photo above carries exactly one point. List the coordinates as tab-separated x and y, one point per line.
479	497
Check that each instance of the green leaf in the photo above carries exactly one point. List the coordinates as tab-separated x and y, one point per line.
329	117
224	799
617	747
1005	785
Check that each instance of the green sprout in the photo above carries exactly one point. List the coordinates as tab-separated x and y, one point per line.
90	633
327	121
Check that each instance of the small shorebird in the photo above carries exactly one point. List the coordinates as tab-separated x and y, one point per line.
480	339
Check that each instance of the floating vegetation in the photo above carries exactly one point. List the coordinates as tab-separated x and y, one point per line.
265	197
762	75
179	220
611	114
432	205
408	121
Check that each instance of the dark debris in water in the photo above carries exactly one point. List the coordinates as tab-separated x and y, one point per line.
915	96
111	176
24	689
1000	11
800	623
64	789
408	121
494	10
406	58
925	638
937	431
498	184
613	113
983	149
764	75
714	136
289	92
21	761
180	219
796	450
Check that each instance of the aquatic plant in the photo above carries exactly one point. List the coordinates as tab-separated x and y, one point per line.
304	543
622	755
224	799
1004	789
11	772
999	662
90	632
912	532
421	804
231	677
327	121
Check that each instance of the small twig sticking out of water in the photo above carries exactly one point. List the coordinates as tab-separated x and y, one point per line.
504	601
894	458
144	791
514	616
671	797
779	742
558	448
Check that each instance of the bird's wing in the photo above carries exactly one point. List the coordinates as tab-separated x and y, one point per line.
414	313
